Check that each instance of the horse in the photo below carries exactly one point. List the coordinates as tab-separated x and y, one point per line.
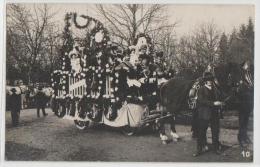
174	95
242	83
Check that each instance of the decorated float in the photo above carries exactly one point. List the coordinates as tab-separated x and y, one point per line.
98	81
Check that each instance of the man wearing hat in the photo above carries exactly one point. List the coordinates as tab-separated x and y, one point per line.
15	106
41	101
208	115
246	96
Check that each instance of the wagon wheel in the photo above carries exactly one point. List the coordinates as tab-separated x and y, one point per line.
81	125
82	111
129	131
109	113
94	112
61	111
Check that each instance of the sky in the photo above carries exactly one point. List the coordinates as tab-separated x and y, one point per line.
226	17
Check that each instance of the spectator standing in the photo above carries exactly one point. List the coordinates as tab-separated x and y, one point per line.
15	106
41	100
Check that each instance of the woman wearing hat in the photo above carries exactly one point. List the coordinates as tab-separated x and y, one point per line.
208	115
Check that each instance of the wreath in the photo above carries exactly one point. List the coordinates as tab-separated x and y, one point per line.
89	19
96	32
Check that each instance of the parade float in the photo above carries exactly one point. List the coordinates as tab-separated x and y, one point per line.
97	81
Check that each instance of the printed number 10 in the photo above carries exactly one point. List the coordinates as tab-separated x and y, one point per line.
245	154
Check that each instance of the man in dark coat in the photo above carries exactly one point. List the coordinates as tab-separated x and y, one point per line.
41	101
246	105
208	115
15	106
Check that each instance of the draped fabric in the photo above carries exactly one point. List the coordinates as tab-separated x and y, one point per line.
129	114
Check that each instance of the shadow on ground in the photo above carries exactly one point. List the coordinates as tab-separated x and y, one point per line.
22	152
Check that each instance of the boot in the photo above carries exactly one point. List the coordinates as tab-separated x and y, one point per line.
217	149
198	152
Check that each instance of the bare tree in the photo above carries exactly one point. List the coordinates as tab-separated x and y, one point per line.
166	41
185	51
30	23
126	21
52	47
206	40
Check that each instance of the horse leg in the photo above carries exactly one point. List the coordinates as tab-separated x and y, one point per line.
243	121
173	132
162	133
194	124
246	120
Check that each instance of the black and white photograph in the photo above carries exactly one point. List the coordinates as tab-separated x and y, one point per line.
128	82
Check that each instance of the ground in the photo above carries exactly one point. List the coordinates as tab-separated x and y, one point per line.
54	139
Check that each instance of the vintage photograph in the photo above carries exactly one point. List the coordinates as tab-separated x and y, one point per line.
129	82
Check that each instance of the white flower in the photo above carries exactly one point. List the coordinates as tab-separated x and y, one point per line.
99	36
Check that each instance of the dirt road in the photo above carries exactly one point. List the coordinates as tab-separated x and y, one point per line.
53	139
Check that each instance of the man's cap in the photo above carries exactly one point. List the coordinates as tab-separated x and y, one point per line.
208	76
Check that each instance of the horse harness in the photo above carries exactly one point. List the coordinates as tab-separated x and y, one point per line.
193	95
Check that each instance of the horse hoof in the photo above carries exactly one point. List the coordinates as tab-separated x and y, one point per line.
164	142
175	135
163	137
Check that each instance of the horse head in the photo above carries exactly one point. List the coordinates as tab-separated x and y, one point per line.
228	79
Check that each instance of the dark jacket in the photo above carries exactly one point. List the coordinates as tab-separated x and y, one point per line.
206	99
15	102
40	99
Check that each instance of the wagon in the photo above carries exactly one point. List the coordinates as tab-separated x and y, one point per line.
89	88
78	107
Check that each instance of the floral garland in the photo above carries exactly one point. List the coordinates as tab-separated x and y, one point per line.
89	19
97	28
